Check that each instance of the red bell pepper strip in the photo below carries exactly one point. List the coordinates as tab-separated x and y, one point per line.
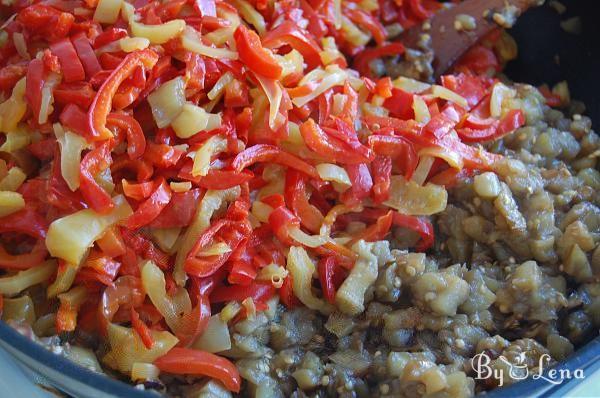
94	162
296	198
493	131
80	93
215	179
70	65
86	55
141	329
330	276
259	291
331	147
151	208
162	155
192	324
363	59
10	75
127	290
400	104
368	22
180	210
362	183
137	191
471	88
73	118
111	243
102	104
273	154
26	221
280	220
108	36
254	56
145	248
288	33
23	261
420	226
479	60
46	21
241	273
200	363
136	140
36	75
286	293
382	172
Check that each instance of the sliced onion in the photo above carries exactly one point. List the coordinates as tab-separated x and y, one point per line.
141	371
261	211
220	85
215	337
421	110
449	95
423	169
107	11
167	101
15	284
166	238
212	147
410	85
307	240
273	273
131	44
410	198
194	119
191	41
249	13
336	174
302	269
500	92
13	109
10	202
154	284
250	307
71	146
216	249
332	76
46	109
274	93
21	45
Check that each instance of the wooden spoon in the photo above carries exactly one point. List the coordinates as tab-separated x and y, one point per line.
447	42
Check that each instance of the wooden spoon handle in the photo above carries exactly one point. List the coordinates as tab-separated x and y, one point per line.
448	43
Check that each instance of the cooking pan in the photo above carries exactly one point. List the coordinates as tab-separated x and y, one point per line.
547	54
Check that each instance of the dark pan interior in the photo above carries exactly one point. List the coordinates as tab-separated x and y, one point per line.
548	54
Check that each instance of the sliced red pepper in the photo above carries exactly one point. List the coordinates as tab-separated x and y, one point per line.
330	276
45	21
151	208
180	210
420	226
73	118
102	104
70	65
94	162
280	220
141	329
363	59
471	88
162	155
362	183
296	197
10	75
254	56
288	33
192	324
145	248
36	75
273	154
382	172
286	293
330	147
368	22
241	273
23	261
111	243
26	221
136	140
258	291
108	36
137	191
86	54
479	60
79	93
200	363
400	104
